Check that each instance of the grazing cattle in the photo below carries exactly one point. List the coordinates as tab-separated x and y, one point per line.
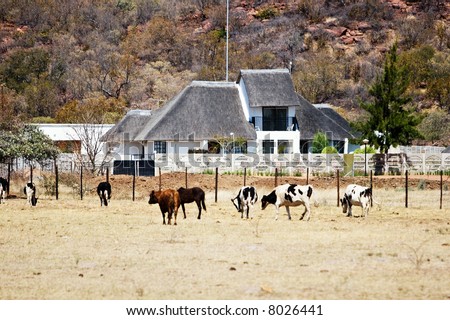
190	195
30	191
289	195
3	188
358	196
245	199
169	201
104	192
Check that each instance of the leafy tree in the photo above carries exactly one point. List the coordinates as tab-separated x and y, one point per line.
29	143
94	110
436	126
389	122
35	145
317	78
21	67
320	142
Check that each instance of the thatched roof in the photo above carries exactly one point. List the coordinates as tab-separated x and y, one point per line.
129	127
311	120
202	111
337	118
269	88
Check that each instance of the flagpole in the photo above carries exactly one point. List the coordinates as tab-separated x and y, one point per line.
226	54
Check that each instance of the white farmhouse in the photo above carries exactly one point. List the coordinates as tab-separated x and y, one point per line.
260	113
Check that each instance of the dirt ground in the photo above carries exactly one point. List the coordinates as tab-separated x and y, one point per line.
75	249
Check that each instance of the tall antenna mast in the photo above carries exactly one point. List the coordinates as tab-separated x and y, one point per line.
226	53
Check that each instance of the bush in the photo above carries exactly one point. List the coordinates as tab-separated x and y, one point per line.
266	13
329	150
370	149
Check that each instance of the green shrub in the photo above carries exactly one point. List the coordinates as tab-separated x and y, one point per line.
329	150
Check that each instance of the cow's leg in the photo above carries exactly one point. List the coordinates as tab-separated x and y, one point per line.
277	209
349	210
175	213
365	209
164	217
247	210
184	211
169	216
288	212
199	209
307	213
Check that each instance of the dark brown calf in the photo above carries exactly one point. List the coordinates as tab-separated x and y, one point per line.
169	201
190	195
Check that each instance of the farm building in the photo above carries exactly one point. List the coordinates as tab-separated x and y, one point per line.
68	136
260	113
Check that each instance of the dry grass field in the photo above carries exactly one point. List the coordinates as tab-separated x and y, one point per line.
73	249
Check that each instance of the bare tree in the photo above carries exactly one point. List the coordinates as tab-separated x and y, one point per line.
89	134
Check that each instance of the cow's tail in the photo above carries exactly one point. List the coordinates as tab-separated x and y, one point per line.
203	203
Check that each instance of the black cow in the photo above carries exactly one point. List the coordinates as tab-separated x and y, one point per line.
104	192
190	195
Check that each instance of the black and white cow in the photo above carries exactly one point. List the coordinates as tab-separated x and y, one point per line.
3	188
245	199
30	191
358	196
289	195
104	192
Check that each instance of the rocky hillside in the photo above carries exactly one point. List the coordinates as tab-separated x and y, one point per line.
55	57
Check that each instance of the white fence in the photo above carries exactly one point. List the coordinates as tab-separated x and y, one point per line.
292	164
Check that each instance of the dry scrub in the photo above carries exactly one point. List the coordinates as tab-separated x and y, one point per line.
72	249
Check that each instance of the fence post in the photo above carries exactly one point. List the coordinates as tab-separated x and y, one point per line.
216	184
186	177
245	176
276	177
134	184
56	181
406	189
9	178
371	195
81	181
440	201
337	183
107	174
160	183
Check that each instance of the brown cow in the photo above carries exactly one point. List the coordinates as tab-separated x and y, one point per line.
169	201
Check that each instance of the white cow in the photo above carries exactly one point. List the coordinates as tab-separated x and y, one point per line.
358	196
30	191
3	186
2	194
245	199
289	195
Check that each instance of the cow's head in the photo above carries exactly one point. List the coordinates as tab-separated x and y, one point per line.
153	198
237	203
264	202
344	204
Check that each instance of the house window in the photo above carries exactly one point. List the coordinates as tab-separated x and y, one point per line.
160	147
268	146
275	119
